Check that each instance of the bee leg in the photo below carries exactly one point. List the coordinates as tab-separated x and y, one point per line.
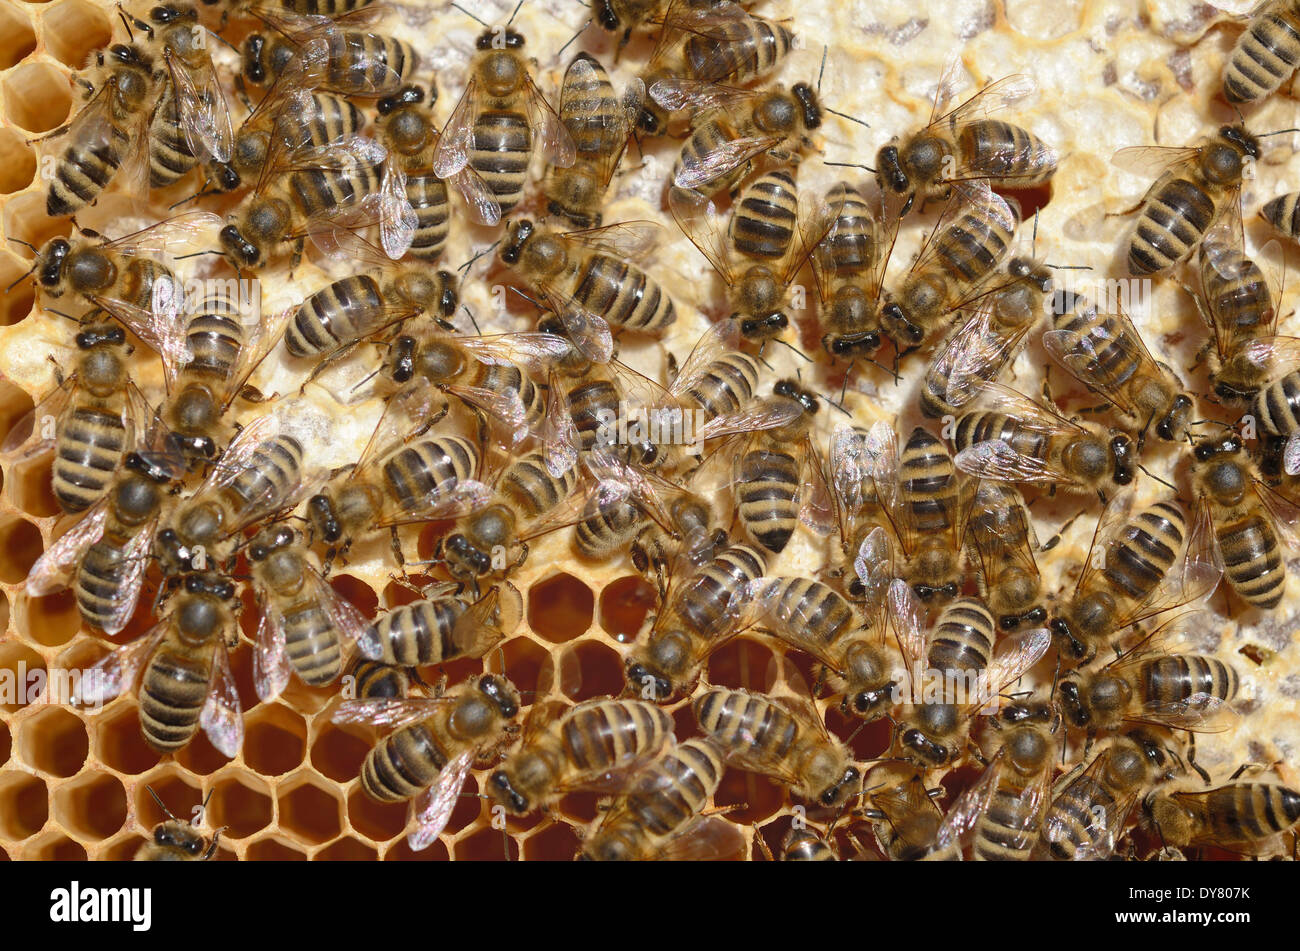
1127	211
1191	758
976	752
397	546
58	370
333	357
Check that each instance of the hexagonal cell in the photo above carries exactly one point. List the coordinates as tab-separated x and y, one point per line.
347	850
487	845
200	756
624	605
20	546
31	487
19	681
17	163
51	620
54	741
122	850
400	851
242	803
55	847
560	608
24	805
73	29
357	592
309	811
275	739
25	219
376	821
91	807
468	808
556	843
17	37
338	754
527	663
755	796
4	743
178	797
274	850
742	663
601	670
15	404
37	97
118	743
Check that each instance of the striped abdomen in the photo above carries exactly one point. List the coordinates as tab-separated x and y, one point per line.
852	248
1241	304
336	315
593	406
1175	678
1008	828
929	483
737	50
170	156
214	338
808	611
528	483
765	496
1283	213
375	680
703	602
1145	550
1247	812
1072	820
329	8
357	61
419	632
623	294
92	441
590	110
427	194
402	764
606	525
334	118
501	147
715	135
424	472
1117	354
747	724
319	190
766	216
99	585
507	378
677	787
1277	406
970	248
270	476
985	425
312	643
727	384
1004	152
1173	221
173	689
1252	557
1265	55
83	171
804	845
963	637
601	734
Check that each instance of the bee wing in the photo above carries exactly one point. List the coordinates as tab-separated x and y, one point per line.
52	571
704	227
873	565
1112	518
974	197
387	713
271	666
1272	351
816	503
959	822
716	341
996	548
975	353
852	464
201	107
996	460
92	127
588	331
676	93
1193	580
179	234
398	220
1152	160
222	718
705	839
559	434
621	126
135	562
238	454
36	432
557	144
997	95
505	409
907	618
162	326
1077	354
443	501
619	479
432	807
114	674
1284	514
488	621
1015	654
452	153
722	158
534	352
761	415
624	239
479	198
1291	455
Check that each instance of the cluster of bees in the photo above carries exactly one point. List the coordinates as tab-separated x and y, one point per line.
932	559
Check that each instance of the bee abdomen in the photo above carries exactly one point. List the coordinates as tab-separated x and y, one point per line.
418	633
84	173
1176	678
742	49
727	385
1007	830
623	294
428	196
270	475
1147	551
963	637
170	156
765	496
972	247
93	442
764	221
705	600
98	587
745	723
429	469
343	311
1277	406
999	149
610	732
530	485
172	693
357	60
312	645
1076	824
402	764
1174	219
1253	561
1264	56
1283	213
681	783
501	149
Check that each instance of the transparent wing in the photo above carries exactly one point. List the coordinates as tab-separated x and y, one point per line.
959	822
53	569
974	354
560	439
398	220
36	432
717	340
1151	161
907	618
624	239
534	351
704	227
680	92
271	667
452	153
134	564
479	198
557	145
114	674
1014	656
201	106
722	158
180	234
432	807
386	713
222	718
588	330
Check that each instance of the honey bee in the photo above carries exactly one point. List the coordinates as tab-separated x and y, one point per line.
804	845
660	817
1002	543
850	475
980	348
1264	55
492	127
1138	565
1090	808
1017	439
780	737
848	264
1105	353
599	123
904	817
186	681
177	840
349	62
964	144
372	680
1254	527
105	555
306	627
1197	185
434	744
303	8
1276	407
440	627
262	470
1002	813
968	242
1281	213
593	745
588	280
1152	683
702	611
1243	817
107	137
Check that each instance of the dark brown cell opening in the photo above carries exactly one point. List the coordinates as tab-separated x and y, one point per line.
55	742
742	663
24	805
624	605
17	166
560	608
176	794
275	740
20	546
487	845
58	849
119	744
15	404
31	487
468	807
755	797
377	821
200	756
357	592
556	843
93	807
17	37
310	813
347	850
402	852
52	620
601	668
1030	200
338	754
19	664
243	810
273	850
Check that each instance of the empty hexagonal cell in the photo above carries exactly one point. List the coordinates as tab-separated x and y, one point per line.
356	592
338	754
527	664
120	850
25	220
273	849
92	806
242	803
37	97
118	743
15	404
17	37
347	849
400	851
275	739
742	663
51	620
560	608
200	756
31	487
487	845
376	821
624	605
468	808
73	29
24	805
55	847
17	163
54	741
309	811
20	546
165	794
556	843
600	670
755	797
22	675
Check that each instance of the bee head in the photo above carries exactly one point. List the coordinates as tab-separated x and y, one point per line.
324	520
406	96
889	171
639	677
605	16
500	38
1238	136
501	694
50	262
1121	453
253	57
870	704
809	106
503	789
517	234
1207	449
243	253
270	539
93	337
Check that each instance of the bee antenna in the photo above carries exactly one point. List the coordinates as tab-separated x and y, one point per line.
470	314
536	303
760	359
201	193
221	39
491	247
821	72
515	12
847	373
22	277
1265	135
1156	477
795	349
121	15
1070	267
25	244
845	115
161	804
471	15
196	254
851	165
59	313
582	29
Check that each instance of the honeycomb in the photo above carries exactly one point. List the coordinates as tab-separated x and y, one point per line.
1112	73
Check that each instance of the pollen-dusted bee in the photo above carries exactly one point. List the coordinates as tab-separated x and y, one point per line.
1017	439
594	745
434	744
1106	353
1196	187
1002	542
1265	55
587	278
1243	817
702	611
186	681
600	123
176	840
660	816
491	130
963	145
104	556
440	626
968	242
306	627
848	265
780	737
1254	527
1138	565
